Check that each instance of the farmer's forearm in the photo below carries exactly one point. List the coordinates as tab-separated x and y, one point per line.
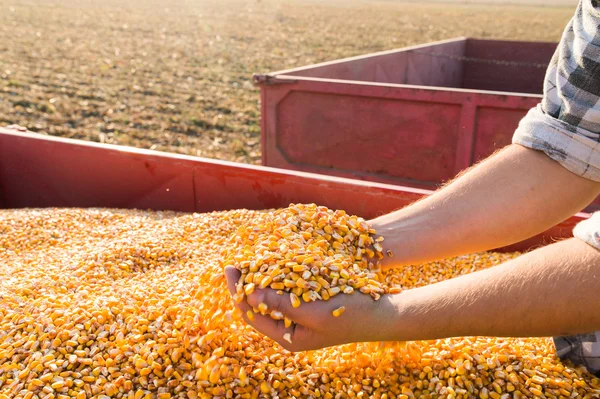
509	197
548	292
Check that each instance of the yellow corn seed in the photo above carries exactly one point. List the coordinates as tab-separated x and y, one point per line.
276	315
263	308
214	375
302	283
536	391
337	312
264	387
287	283
538	380
298	268
266	281
249	288
295	300
133	304
250	315
395	290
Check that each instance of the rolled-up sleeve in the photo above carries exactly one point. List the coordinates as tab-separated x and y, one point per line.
589	230
566	124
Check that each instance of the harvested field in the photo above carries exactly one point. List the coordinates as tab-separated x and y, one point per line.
176	75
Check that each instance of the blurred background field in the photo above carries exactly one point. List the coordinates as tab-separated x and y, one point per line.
176	75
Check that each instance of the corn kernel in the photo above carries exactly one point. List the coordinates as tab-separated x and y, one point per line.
250	315
119	303
263	308
287	322
249	288
295	300
287	337
337	312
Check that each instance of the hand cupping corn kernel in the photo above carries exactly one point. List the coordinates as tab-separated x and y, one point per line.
311	252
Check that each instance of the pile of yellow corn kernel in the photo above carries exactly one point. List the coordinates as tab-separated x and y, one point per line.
101	303
310	251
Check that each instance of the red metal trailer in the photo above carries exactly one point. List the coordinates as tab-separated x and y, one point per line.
415	116
42	171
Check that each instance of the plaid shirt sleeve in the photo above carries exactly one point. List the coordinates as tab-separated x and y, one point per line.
566	126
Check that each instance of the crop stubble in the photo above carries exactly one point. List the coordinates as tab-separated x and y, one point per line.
176	75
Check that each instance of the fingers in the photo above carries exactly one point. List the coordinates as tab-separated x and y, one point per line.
274	301
272	328
232	276
266	296
294	339
312	321
306	339
264	324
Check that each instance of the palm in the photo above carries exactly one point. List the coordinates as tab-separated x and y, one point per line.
314	325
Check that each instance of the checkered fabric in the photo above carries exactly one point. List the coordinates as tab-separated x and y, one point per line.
566	126
583	350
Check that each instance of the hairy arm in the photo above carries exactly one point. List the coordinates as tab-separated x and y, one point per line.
509	197
548	292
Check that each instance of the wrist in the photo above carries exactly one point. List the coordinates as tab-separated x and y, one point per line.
394	319
401	245
410	317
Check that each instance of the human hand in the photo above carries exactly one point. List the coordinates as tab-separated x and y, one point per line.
314	325
393	246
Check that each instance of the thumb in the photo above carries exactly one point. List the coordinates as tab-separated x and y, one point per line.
232	275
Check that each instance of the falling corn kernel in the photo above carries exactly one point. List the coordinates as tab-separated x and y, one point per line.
337	312
108	303
250	315
287	337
